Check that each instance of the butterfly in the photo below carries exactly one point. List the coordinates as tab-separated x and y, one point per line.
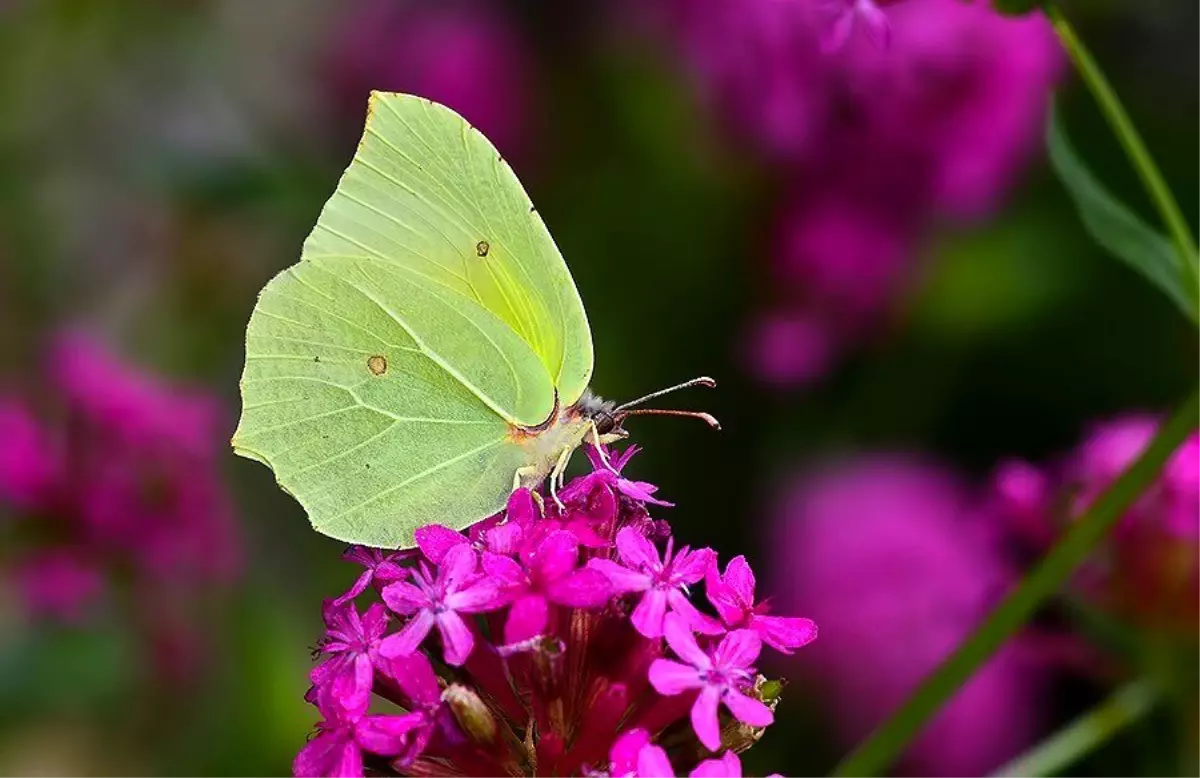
430	352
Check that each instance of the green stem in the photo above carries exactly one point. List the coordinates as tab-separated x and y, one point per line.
1081	736
886	743
1135	148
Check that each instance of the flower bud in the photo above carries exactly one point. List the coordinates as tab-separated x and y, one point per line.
471	713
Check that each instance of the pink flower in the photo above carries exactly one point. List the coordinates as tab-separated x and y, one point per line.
722	678
58	583
469	56
898	563
438	601
545	665
380	568
634	755
547	574
660	579
352	641
733	597
29	467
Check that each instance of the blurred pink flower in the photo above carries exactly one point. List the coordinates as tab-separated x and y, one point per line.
1148	569
117	475
60	583
28	466
466	55
873	145
892	559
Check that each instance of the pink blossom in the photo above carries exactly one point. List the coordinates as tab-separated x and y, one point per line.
721	676
352	643
547	574
469	56
438	601
545	663
380	568
635	755
733	597
898	561
660	579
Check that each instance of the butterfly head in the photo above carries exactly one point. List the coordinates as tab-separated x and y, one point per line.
610	417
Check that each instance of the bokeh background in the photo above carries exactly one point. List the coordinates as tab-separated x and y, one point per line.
912	333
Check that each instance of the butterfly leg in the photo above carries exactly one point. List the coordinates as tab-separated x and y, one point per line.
598	444
558	475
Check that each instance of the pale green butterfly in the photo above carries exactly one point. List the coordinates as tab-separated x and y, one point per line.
429	353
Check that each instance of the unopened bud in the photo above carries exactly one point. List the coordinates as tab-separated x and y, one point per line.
471	713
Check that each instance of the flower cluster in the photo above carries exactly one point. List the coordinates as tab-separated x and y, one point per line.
556	638
1147	570
466	54
899	561
112	480
871	146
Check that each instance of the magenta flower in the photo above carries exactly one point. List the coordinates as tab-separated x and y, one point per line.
469	56
29	467
547	574
546	665
636	756
352	643
438	601
380	568
844	17
728	766
660	579
733	597
114	477
898	562
722	677
60	583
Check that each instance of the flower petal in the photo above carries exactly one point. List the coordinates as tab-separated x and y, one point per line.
504	538
526	619
359	586
691	566
480	596
556	555
637	551
669	677
782	633
435	541
681	640
415	676
647	617
504	571
747	710
623	755
386	735
457	640
622	579
704	718
331	753
584	588
699	622
456	567
522	509
737	650
740	578
404	598
728	766
407	640
652	762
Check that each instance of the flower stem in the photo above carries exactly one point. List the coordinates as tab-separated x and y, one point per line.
1135	149
1081	736
886	743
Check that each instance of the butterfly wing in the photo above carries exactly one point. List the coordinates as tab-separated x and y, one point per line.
430	314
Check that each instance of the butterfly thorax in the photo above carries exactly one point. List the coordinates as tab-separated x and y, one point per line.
565	430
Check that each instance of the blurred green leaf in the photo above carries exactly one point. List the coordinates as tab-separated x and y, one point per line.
1114	226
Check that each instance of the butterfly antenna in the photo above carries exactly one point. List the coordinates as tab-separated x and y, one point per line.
707	418
701	381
